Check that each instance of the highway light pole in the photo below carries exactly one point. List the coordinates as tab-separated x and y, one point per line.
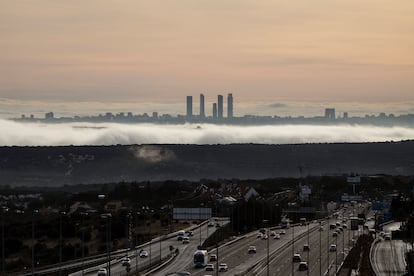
4	209
327	241
307	271
293	248
83	239
33	240
320	248
60	242
107	217
336	254
267	246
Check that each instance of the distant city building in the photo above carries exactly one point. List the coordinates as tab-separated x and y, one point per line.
214	111
189	106
330	113
345	115
155	115
229	105
49	116
220	106
202	113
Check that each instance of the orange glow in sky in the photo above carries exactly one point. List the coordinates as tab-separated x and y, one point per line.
323	50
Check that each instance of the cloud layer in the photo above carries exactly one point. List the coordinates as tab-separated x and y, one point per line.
33	134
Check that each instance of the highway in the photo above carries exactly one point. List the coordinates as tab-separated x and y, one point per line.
153	248
387	256
239	262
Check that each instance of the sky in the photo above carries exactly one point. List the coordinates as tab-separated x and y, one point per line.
160	51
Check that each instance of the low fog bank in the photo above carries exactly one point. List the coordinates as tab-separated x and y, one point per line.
38	134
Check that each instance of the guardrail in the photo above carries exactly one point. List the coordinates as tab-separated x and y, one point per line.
374	268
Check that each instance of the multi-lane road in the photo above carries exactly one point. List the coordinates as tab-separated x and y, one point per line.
388	256
235	254
153	249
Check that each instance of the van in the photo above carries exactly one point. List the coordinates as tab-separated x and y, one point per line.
180	235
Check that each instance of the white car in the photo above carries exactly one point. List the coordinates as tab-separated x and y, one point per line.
259	235
223	267
296	258
102	272
186	240
264	237
282	232
126	261
252	249
143	254
273	233
332	248
276	237
209	267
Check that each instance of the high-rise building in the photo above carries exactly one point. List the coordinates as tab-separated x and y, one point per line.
214	111
202	113
330	113
220	106
229	105
189	106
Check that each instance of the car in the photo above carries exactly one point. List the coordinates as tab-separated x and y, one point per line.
264	237
296	258
252	249
210	224
222	267
320	228
335	234
209	267
259	235
102	272
182	273
143	254
213	257
282	232
272	233
276	237
126	261
344	226
332	226
186	240
387	237
306	247
332	248
303	266
341	228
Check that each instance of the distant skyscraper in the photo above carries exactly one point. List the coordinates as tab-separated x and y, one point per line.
189	106
229	105
330	113
214	111
202	113
220	107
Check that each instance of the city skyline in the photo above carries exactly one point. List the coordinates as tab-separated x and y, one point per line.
344	51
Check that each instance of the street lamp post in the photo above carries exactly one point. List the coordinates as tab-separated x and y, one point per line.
293	248
83	239
320	248
107	217
307	271
33	240
336	254
3	254
60	242
327	240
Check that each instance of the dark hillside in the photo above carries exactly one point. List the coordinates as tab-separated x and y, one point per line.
55	166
